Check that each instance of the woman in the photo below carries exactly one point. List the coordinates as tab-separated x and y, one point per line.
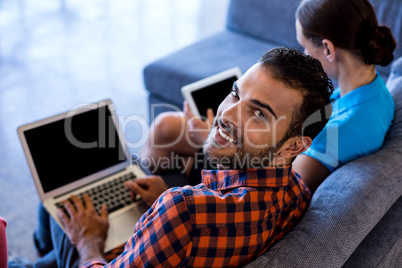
345	36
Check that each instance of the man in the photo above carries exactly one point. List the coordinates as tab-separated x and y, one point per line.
247	204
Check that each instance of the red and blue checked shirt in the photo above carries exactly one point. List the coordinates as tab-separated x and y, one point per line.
229	219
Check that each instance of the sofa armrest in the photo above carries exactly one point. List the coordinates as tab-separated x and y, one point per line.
343	210
383	246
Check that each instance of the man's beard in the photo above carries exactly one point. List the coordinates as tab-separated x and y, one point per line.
242	158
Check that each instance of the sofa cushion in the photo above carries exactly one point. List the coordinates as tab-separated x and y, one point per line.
269	20
210	56
348	204
383	246
389	12
394	85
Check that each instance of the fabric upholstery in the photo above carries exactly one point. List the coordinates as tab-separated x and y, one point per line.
389	13
200	60
394	85
270	20
335	224
384	240
348	204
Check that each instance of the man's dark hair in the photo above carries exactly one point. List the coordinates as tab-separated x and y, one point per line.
302	72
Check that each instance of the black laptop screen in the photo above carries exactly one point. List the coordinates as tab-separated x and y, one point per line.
212	96
69	149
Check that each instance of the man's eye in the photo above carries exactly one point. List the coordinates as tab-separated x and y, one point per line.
234	94
259	114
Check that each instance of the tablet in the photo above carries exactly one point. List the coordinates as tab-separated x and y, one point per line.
210	92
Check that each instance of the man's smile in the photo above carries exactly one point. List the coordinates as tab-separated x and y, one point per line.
226	137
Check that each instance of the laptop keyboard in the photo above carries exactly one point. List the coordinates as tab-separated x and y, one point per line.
112	193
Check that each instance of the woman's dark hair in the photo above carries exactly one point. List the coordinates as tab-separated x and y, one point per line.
350	25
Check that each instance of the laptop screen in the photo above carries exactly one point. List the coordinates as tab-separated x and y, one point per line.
75	147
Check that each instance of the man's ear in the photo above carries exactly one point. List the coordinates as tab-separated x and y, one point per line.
295	146
329	50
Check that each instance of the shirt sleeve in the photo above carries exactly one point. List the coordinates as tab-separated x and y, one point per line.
344	139
161	238
340	142
325	147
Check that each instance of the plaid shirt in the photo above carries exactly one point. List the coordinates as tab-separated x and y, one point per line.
229	219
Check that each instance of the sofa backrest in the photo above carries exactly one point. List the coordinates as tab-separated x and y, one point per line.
269	20
274	21
393	140
389	13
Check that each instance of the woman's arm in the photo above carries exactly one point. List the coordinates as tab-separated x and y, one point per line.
311	170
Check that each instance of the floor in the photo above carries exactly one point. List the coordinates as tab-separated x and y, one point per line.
57	54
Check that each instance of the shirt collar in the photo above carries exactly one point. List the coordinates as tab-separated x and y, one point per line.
356	96
255	177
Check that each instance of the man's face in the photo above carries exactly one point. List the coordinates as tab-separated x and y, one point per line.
252	120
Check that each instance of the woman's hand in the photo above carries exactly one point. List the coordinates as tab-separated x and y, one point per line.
198	129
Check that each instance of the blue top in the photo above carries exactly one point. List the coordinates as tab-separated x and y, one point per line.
357	126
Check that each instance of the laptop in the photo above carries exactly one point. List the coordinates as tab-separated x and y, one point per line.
84	151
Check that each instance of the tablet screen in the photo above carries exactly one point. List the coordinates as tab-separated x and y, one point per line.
212	95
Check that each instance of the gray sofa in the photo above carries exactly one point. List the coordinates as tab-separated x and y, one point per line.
354	216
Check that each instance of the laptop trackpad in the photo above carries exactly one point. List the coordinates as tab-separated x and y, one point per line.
121	225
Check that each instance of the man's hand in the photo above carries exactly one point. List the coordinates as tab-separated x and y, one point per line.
149	188
86	230
198	130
